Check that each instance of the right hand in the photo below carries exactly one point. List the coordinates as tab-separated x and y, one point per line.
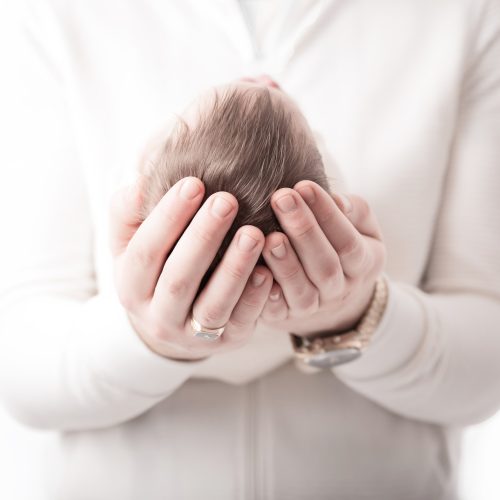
158	292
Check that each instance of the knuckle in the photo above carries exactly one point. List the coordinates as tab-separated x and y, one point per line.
177	287
275	311
305	231
239	323
236	271
176	210
290	274
168	215
332	271
141	255
350	248
309	304
203	233
251	300
326	216
212	316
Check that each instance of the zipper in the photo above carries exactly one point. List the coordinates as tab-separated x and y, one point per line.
252	449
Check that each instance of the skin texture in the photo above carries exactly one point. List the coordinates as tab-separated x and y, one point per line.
320	275
326	264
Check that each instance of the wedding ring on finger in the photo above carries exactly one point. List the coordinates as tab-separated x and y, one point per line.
210	334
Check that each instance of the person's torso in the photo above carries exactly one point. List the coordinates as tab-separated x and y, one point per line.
380	82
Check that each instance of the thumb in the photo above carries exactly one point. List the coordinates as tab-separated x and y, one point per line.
343	202
360	213
125	214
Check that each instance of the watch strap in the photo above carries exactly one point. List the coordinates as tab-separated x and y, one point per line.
357	338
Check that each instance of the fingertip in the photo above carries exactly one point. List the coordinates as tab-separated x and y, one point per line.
260	276
190	187
343	202
254	232
281	192
307	193
274	239
221	206
229	197
258	279
275	292
305	183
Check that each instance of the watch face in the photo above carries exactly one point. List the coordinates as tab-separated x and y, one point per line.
333	358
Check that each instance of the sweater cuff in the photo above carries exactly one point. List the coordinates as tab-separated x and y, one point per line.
396	339
116	353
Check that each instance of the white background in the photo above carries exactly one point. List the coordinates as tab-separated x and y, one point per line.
21	452
21	449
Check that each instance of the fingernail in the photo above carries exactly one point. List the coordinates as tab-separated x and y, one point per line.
257	279
286	203
189	189
221	207
346	203
279	251
246	242
274	295
308	194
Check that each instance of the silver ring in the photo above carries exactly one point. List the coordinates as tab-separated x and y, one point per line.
205	333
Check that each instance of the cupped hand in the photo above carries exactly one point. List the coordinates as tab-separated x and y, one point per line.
159	264
326	265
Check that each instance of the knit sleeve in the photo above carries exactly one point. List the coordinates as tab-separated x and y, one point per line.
436	354
69	358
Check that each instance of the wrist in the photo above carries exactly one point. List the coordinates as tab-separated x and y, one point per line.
346	319
331	348
165	349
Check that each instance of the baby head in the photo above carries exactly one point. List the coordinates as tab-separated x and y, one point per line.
246	138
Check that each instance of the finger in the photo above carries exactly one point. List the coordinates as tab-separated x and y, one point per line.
359	212
275	308
349	244
216	302
192	255
300	294
318	257
124	216
154	239
249	306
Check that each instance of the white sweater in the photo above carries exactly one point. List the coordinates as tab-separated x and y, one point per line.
406	95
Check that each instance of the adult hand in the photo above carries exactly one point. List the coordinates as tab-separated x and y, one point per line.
326	265
159	264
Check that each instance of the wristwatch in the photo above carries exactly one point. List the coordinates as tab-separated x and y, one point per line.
325	350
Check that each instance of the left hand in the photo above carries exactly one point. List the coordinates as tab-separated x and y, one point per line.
326	265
